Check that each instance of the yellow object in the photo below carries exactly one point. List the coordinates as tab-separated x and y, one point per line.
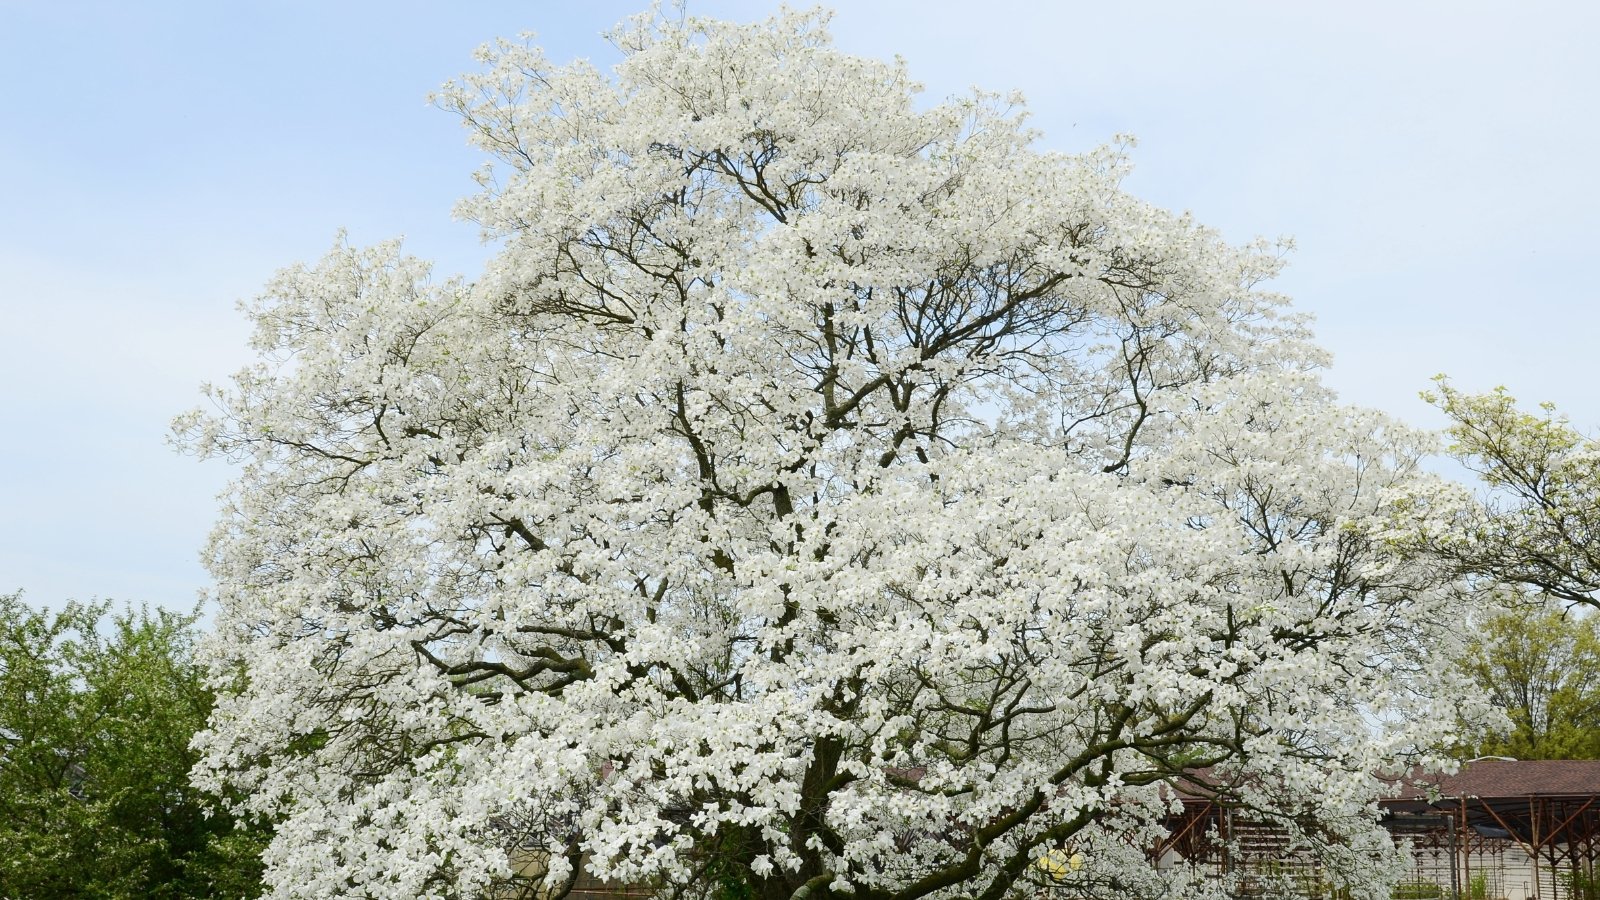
1057	864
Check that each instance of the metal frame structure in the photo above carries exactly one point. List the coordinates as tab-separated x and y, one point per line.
1500	828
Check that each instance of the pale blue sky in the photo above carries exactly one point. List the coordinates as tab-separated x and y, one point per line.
159	160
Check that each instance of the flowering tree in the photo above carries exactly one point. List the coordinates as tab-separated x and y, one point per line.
1538	529
819	494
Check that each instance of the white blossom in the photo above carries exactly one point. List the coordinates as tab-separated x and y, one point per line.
820	483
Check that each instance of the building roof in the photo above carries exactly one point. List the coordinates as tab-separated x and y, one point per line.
1506	778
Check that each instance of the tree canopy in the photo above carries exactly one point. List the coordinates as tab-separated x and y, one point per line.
821	493
1539	527
96	714
1542	667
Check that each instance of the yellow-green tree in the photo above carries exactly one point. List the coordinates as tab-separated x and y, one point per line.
1541	666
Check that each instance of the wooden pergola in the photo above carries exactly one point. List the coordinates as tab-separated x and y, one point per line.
1458	827
1550	809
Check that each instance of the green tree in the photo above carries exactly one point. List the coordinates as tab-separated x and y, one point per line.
1539	527
96	714
1542	667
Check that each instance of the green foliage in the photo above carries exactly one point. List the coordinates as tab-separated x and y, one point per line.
730	883
727	877
96	714
1583	885
1543	668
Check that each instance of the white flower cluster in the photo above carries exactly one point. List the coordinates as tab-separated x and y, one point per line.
819	490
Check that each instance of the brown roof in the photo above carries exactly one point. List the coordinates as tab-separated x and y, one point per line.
1500	778
1485	778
